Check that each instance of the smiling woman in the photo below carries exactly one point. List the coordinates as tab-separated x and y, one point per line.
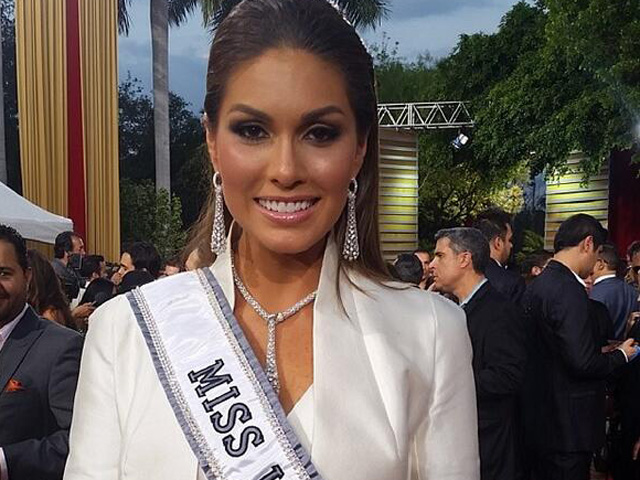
293	355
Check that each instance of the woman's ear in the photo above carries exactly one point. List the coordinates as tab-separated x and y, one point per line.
210	133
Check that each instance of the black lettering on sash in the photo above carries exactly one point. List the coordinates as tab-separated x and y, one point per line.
274	474
238	411
241	449
208	379
210	405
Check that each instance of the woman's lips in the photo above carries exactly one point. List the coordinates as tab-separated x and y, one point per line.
287	211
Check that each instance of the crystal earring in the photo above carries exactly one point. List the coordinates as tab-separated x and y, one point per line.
218	234
351	248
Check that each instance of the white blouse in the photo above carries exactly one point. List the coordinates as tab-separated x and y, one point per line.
301	419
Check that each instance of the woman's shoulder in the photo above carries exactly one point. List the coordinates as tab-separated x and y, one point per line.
119	312
411	308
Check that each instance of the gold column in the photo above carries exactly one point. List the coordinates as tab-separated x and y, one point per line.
99	63
42	101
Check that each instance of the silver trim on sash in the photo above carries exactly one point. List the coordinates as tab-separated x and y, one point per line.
161	362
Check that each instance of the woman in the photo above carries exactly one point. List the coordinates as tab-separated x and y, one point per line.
373	379
45	294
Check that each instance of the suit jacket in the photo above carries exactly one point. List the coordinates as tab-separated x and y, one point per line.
393	390
499	359
39	366
508	283
564	387
620	299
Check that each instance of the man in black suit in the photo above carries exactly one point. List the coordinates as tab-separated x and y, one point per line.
565	381
495	224
39	362
620	298
497	337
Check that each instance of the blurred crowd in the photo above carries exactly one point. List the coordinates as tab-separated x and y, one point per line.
554	340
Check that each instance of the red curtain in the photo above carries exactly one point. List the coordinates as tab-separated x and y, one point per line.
624	200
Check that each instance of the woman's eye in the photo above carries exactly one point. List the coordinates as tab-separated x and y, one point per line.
323	134
250	132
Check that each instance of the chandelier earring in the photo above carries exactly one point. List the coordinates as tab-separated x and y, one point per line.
218	234
351	248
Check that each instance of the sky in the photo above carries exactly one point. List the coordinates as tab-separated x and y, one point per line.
419	26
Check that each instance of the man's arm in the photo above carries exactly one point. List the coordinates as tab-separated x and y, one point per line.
45	458
504	356
571	324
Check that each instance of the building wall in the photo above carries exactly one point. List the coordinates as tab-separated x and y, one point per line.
568	195
398	198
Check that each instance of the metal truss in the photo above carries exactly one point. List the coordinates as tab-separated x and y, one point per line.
425	115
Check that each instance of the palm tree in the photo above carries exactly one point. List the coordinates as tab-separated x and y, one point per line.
163	13
361	13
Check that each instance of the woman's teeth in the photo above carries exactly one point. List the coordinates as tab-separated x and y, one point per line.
285	207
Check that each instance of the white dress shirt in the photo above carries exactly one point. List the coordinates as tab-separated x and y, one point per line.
4	335
604	277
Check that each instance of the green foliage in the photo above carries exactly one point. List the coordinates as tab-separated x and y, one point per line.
531	243
361	13
557	76
151	216
137	155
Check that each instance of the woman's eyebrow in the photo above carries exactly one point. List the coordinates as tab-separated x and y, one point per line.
240	107
314	115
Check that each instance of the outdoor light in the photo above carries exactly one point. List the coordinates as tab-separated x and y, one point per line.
460	141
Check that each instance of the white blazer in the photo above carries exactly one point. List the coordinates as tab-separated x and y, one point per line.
394	395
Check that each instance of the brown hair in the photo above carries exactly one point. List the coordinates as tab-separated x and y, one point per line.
45	291
255	26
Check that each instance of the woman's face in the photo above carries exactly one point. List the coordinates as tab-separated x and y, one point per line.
286	147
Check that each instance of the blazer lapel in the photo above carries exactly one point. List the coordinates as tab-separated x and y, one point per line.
17	345
345	387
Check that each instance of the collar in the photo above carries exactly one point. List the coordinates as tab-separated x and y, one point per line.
473	292
604	277
580	280
5	331
498	263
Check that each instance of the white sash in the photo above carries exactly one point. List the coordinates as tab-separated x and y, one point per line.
219	393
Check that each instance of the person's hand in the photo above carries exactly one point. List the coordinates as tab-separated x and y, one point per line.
636	450
630	348
83	311
609	348
116	278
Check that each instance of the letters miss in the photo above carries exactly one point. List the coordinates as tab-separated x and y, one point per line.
217	389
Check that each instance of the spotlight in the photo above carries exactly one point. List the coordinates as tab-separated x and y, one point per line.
460	141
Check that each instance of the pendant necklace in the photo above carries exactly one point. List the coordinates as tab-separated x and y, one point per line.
272	320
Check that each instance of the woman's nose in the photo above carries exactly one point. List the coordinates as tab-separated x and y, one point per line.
286	166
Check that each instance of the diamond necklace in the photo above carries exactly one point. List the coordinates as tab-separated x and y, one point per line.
272	320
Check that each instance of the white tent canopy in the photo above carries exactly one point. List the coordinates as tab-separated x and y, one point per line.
31	221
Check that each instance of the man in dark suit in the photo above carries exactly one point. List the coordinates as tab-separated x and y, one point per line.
497	337
620	298
565	381
39	362
495	224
